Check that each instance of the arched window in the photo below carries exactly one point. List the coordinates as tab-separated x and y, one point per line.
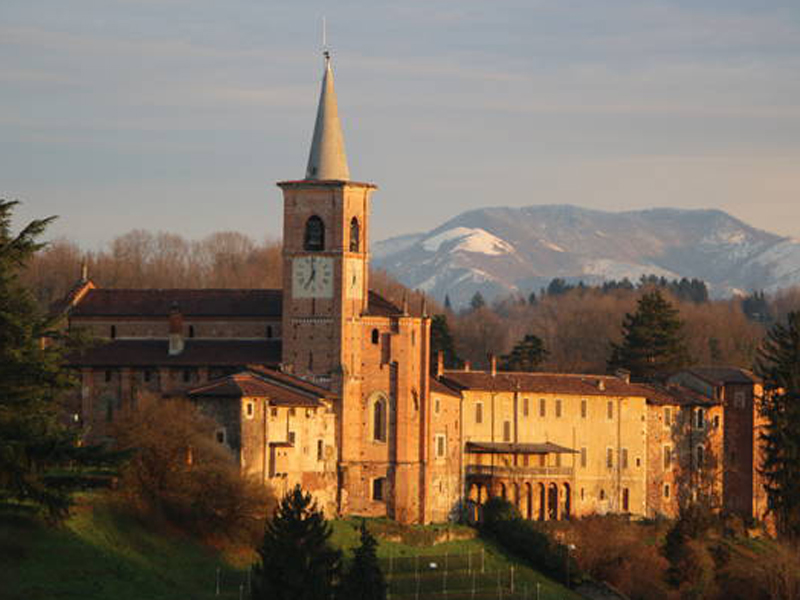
315	234
355	235
379	418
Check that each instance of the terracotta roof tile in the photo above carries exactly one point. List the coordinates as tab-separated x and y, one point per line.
279	388
723	375
677	395
442	388
197	353
556	383
378	306
192	303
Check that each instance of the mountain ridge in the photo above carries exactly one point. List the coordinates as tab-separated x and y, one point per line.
515	250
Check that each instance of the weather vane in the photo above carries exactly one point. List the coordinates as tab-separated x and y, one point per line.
325	51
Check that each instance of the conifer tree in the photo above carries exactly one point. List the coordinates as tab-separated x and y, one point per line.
364	580
778	363
527	355
653	342
39	454
297	560
442	339
477	301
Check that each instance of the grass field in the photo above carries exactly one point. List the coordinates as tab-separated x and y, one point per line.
99	554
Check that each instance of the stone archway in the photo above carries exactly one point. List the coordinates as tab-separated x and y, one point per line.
526	502
552	502
566	510
542	512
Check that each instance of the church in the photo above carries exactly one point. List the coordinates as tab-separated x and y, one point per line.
326	384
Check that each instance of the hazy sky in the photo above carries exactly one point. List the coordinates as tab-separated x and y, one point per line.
180	115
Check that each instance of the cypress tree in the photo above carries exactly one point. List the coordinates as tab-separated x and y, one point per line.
652	342
40	456
297	560
364	580
778	364
442	339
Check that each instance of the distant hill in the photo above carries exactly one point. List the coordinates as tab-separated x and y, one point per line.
499	251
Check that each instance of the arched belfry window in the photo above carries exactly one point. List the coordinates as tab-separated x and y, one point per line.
380	414
355	235
315	234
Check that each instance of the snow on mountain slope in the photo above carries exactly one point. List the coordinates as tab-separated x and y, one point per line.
501	250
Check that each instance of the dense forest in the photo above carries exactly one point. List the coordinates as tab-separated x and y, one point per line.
576	324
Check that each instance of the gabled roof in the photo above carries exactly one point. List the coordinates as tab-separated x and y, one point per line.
554	383
100	302
439	387
673	394
511	448
279	388
196	353
378	306
722	375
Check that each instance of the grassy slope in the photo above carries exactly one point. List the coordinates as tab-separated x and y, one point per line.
97	554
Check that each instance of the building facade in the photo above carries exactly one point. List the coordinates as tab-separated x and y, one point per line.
326	384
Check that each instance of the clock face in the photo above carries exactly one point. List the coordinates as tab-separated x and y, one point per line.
354	279
312	277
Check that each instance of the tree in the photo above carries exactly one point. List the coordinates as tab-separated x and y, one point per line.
527	355
778	364
477	301
364	580
442	340
297	561
39	454
653	342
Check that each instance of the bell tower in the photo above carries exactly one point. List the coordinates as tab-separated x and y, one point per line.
325	257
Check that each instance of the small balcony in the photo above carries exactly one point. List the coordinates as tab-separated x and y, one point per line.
511	471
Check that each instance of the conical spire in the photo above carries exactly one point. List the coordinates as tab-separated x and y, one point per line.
327	159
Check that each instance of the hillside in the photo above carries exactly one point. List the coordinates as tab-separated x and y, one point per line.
500	251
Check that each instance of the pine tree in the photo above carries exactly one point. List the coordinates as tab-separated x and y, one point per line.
652	342
477	301
448	306
778	364
297	560
364	580
527	355
442	340
39	454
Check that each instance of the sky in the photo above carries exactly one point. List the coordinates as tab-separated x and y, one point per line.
180	115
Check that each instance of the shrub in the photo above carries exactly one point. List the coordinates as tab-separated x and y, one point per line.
179	472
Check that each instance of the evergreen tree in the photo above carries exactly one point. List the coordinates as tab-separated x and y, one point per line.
447	304
39	454
527	355
364	580
652	342
778	363
297	560
477	301
442	339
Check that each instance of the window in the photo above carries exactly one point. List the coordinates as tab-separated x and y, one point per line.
699	455
525	407
273	411
739	399
441	445
314	239
506	431
355	235
584	408
378	491
583	457
610	409
220	435
191	331
609	458
379	420
542	460
320	450
624	458
147	375
602	494
437	405
558	409
292	412
626	500
187	375
269	331
376	336
292	438
558	460
715	422
582	493
700	418
666	490
113	331
542	407
667	416
479	412
250	409
108	376
667	457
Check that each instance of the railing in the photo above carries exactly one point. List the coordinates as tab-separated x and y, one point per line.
517	471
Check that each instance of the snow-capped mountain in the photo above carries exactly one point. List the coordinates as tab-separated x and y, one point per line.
499	251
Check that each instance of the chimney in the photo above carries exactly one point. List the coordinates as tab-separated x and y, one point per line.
493	364
84	272
439	364
405	303
424	305
175	330
624	374
467	365
601	385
